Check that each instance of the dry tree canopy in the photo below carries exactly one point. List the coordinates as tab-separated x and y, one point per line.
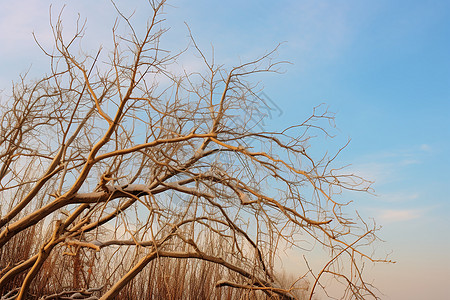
115	170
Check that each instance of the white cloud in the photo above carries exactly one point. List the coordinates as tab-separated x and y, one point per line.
399	197
399	215
388	166
319	28
374	170
426	148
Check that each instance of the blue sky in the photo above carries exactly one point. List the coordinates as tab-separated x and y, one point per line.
382	66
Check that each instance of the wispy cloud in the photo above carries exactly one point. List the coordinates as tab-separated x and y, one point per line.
390	165
413	212
319	29
399	197
400	215
426	148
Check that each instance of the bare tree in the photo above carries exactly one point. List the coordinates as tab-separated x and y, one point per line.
112	165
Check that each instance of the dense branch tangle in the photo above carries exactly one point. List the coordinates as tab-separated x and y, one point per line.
149	164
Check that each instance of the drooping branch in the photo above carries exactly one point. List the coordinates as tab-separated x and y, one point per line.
178	172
